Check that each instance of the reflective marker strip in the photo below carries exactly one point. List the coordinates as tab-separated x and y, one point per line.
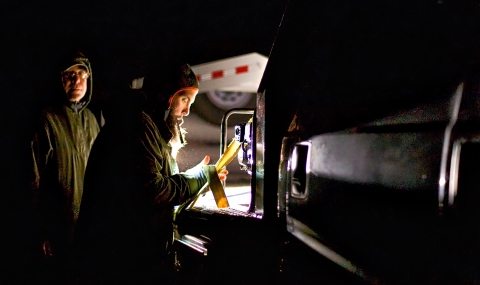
225	73
217	74
241	69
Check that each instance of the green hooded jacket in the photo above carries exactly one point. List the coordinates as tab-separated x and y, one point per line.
60	148
132	184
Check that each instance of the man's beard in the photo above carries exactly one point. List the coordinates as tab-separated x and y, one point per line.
178	133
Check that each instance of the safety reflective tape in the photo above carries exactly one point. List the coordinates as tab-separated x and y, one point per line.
227	72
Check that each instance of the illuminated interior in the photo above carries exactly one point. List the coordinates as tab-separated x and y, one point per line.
238	198
238	154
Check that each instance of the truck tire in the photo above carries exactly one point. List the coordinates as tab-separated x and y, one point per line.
212	105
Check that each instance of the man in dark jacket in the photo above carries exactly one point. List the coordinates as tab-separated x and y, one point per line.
60	148
133	182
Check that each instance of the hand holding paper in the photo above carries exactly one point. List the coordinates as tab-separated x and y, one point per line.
217	173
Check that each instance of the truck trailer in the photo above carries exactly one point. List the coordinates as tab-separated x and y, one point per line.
226	84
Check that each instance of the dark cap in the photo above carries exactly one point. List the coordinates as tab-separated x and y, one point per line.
77	58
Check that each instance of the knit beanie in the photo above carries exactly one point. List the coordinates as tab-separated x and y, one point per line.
161	84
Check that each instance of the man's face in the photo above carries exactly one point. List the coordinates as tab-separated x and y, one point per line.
75	82
181	102
179	107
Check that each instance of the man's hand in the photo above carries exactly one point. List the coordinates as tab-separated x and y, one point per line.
222	174
205	160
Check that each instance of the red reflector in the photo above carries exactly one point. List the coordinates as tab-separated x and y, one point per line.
217	74
198	77
241	69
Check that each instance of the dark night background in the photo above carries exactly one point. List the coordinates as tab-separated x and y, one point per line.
113	35
35	33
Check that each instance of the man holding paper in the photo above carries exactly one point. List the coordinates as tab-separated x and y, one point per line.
132	181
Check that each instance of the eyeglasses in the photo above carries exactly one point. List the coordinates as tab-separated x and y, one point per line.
83	74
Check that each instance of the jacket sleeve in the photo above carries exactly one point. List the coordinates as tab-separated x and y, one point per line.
41	150
158	178
196	178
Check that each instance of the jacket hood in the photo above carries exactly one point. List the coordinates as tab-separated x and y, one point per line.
78	58
125	111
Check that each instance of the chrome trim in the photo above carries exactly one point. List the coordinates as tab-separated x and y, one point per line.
454	170
194	243
224	125
457	99
307	170
310	238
